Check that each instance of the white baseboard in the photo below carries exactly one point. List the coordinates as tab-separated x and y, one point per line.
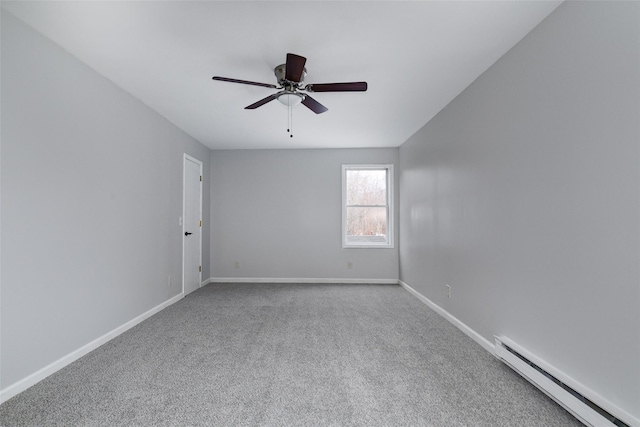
298	280
485	343
23	384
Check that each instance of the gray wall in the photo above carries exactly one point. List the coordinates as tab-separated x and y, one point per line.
278	213
91	195
523	196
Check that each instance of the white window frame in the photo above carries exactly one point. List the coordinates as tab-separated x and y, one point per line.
390	207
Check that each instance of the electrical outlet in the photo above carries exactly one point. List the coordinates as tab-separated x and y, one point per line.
169	280
448	291
349	265
237	264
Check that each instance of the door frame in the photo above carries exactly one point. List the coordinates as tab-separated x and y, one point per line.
185	159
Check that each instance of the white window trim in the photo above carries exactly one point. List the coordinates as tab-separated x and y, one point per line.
390	190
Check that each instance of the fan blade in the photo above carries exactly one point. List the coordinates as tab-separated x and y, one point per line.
337	87
294	67
314	105
261	102
244	82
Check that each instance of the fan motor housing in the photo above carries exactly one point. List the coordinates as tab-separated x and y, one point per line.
280	72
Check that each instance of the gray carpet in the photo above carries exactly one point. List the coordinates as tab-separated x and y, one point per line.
288	355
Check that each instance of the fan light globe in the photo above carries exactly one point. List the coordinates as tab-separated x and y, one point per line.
290	99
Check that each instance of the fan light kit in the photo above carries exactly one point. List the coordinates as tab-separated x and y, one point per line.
290	78
290	99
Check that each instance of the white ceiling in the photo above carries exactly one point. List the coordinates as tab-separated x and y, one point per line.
416	57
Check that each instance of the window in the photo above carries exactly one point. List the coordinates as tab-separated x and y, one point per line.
367	206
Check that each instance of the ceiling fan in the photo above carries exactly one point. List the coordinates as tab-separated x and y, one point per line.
290	85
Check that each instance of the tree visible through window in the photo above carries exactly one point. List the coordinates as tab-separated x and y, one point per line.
367	205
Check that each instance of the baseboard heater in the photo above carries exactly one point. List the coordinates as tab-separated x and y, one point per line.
568	396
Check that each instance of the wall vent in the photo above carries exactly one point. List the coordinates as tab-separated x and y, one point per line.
567	395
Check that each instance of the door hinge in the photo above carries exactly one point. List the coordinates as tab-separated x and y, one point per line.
200	223
200	268
200	178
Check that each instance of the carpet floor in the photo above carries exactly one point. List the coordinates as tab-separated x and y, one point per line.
288	355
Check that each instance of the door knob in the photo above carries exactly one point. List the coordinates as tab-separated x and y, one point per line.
186	233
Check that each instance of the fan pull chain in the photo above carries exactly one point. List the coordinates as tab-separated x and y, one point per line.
290	121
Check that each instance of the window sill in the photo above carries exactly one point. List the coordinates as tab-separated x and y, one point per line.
367	246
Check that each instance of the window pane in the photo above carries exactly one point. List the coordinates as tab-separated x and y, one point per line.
367	224
367	187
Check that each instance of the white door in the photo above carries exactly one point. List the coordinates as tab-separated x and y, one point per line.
192	225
